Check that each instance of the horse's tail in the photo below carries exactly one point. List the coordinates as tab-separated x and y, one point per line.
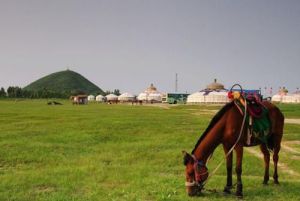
270	143
276	130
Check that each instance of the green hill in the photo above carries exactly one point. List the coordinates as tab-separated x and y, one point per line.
64	82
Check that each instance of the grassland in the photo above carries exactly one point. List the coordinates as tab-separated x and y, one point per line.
122	152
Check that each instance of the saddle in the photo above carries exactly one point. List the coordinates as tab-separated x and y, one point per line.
255	107
257	119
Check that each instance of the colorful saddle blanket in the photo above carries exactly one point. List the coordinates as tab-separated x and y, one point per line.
257	120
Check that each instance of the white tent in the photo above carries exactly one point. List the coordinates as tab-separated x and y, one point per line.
217	97
284	97
126	97
100	98
208	97
155	97
197	97
277	98
142	96
91	98
150	94
111	97
214	93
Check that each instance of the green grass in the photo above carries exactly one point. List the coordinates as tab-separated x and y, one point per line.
119	152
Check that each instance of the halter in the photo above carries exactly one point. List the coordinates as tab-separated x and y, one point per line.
199	180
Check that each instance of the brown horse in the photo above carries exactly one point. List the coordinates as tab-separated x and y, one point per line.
225	129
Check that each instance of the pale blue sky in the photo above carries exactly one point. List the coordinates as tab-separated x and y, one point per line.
128	44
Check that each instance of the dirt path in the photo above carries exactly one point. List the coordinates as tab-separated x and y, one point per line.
281	165
292	121
286	147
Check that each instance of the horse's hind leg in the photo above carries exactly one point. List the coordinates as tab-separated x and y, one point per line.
275	160
266	154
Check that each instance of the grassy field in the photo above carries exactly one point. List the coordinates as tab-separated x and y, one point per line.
123	152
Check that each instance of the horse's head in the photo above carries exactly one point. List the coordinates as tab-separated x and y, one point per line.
195	173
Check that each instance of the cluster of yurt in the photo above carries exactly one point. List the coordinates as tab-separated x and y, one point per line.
214	93
284	97
150	95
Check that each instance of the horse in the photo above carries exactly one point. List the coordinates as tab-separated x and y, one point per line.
226	129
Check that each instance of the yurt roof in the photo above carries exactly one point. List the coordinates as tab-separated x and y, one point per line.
283	91
111	96
151	89
215	86
127	95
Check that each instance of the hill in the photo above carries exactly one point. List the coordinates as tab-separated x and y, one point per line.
64	82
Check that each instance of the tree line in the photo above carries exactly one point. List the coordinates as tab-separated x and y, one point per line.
18	92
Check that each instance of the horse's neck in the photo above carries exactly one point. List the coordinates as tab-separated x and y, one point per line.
210	142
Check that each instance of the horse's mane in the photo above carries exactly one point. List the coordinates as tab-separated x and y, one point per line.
213	122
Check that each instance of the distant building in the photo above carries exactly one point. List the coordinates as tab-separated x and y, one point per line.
91	98
284	97
150	95
112	98
100	98
79	99
213	93
126	97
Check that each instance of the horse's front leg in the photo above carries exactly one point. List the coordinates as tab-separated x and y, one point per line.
228	187
238	169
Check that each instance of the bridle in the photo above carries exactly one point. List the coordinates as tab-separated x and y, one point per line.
200	177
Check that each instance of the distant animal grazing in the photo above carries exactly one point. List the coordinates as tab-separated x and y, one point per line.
54	103
225	129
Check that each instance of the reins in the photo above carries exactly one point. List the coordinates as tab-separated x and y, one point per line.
239	137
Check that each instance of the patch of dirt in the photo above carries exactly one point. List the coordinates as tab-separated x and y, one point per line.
160	105
282	166
44	189
287	148
292	121
205	112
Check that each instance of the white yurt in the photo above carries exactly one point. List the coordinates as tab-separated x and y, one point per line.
297	97
91	98
214	93
197	97
156	97
111	97
100	98
150	95
281	96
142	96
126	97
288	98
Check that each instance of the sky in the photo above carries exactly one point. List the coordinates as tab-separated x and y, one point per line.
129	44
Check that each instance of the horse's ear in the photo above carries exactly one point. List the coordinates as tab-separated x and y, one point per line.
186	157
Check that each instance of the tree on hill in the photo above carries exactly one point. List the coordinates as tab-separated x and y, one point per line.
14	92
2	92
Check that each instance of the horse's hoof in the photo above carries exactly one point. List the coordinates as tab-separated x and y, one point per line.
227	190
265	183
239	195
276	182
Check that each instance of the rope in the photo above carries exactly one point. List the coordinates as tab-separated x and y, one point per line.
229	152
